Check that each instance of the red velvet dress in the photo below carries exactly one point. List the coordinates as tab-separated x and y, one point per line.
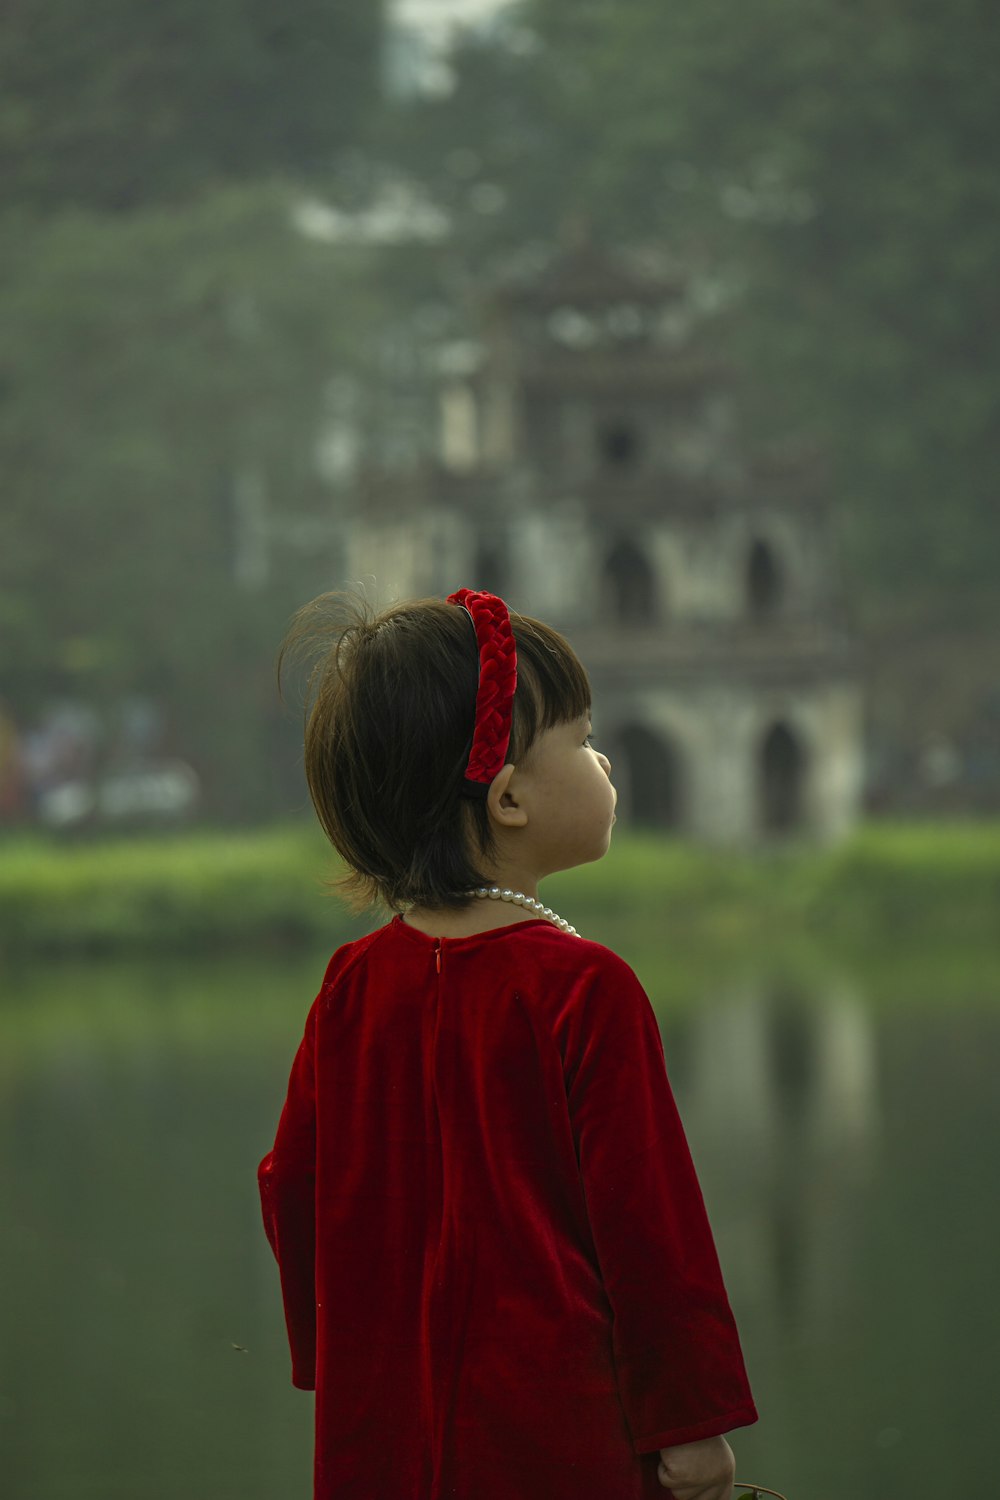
497	1270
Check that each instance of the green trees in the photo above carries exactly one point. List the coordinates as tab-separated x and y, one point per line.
167	331
113	106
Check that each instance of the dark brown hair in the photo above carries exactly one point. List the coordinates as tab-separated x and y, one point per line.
390	711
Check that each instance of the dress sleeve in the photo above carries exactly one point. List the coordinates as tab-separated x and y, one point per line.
287	1181
680	1369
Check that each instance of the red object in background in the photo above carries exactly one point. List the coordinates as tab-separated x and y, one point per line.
13	780
495	1260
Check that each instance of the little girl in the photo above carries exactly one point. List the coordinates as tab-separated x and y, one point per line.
497	1271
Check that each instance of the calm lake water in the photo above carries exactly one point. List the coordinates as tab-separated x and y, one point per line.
846	1148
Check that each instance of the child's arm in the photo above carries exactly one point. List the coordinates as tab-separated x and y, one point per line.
287	1181
680	1369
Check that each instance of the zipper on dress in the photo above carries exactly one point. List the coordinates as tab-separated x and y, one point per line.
437	955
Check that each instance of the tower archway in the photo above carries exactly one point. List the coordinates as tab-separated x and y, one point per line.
646	768
488	568
765	581
781	773
630	584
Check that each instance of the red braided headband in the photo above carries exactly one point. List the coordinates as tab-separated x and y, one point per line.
497	681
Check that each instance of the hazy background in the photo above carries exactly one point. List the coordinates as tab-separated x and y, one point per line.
238	245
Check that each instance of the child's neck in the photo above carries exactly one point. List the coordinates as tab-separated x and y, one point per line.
480	915
485	916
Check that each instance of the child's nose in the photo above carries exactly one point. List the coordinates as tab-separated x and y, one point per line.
604	761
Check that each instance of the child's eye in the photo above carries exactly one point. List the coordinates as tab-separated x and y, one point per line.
589	740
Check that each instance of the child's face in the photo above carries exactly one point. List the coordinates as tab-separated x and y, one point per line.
567	794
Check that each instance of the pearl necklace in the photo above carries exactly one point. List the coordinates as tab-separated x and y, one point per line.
518	898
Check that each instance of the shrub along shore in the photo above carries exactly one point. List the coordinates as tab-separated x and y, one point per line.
894	885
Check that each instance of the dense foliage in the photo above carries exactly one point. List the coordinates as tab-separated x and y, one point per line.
215	891
116	106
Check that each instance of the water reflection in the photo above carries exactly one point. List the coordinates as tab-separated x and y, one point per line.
844	1154
778	1087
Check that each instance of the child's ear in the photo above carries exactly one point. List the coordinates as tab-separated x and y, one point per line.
502	803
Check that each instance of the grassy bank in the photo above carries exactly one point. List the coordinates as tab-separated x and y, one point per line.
211	891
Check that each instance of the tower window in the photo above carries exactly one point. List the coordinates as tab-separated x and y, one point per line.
764	582
488	570
619	445
631	587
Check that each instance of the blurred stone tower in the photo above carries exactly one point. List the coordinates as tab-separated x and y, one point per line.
591	471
